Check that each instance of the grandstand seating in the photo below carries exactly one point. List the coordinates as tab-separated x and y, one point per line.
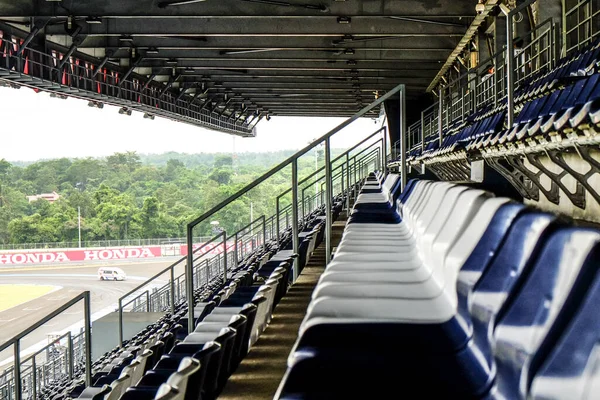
460	294
164	360
553	108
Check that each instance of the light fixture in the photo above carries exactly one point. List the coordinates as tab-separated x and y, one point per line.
344	20
351	62
148	116
152	50
96	104
126	39
165	4
58	96
93	20
349	52
171	61
124	110
480	7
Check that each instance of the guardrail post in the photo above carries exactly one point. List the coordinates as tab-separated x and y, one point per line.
277	220
510	61
147	301
71	355
403	170
34	378
264	231
189	279
88	338
207	273
120	323
440	114
235	250
347	182
17	370
172	291
224	257
328	196
295	243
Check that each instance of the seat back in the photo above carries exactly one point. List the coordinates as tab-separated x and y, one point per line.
469	237
569	371
183	378
167	392
518	252
118	387
527	317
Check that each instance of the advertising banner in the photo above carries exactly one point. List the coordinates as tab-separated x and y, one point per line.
100	254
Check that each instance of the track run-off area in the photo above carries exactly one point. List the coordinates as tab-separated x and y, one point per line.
30	292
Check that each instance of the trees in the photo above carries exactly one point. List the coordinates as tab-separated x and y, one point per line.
126	195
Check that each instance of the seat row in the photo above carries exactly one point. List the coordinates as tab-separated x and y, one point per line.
450	292
226	325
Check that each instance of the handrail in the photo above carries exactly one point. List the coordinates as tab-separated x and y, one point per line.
16	340
300	182
344	154
294	161
153	277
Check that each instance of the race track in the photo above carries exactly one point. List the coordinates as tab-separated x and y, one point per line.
73	279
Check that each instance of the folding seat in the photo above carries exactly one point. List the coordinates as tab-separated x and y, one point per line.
170	363
93	393
237	322
547	123
226	337
386	338
141	366
464	245
568	370
542	307
407	268
225	313
584	91
166	392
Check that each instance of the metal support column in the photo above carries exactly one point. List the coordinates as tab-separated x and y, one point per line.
172	291
34	378
510	66
347	182
295	232
384	148
277	220
224	257
264	231
440	113
87	318
189	278
328	196
235	250
17	370
403	170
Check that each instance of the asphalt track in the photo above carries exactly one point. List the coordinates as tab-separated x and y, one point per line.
73	279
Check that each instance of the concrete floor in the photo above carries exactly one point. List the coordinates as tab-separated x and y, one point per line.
260	373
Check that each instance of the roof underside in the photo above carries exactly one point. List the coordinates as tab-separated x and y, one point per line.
284	57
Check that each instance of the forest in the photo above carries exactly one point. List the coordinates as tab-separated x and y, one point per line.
130	196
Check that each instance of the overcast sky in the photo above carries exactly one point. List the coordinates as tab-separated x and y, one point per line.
37	126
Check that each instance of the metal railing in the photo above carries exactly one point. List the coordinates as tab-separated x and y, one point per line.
479	88
15	385
69	74
59	359
581	21
100	243
293	161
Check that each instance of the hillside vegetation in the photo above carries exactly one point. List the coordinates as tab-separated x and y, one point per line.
128	196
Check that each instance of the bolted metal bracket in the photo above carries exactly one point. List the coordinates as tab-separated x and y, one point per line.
516	177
